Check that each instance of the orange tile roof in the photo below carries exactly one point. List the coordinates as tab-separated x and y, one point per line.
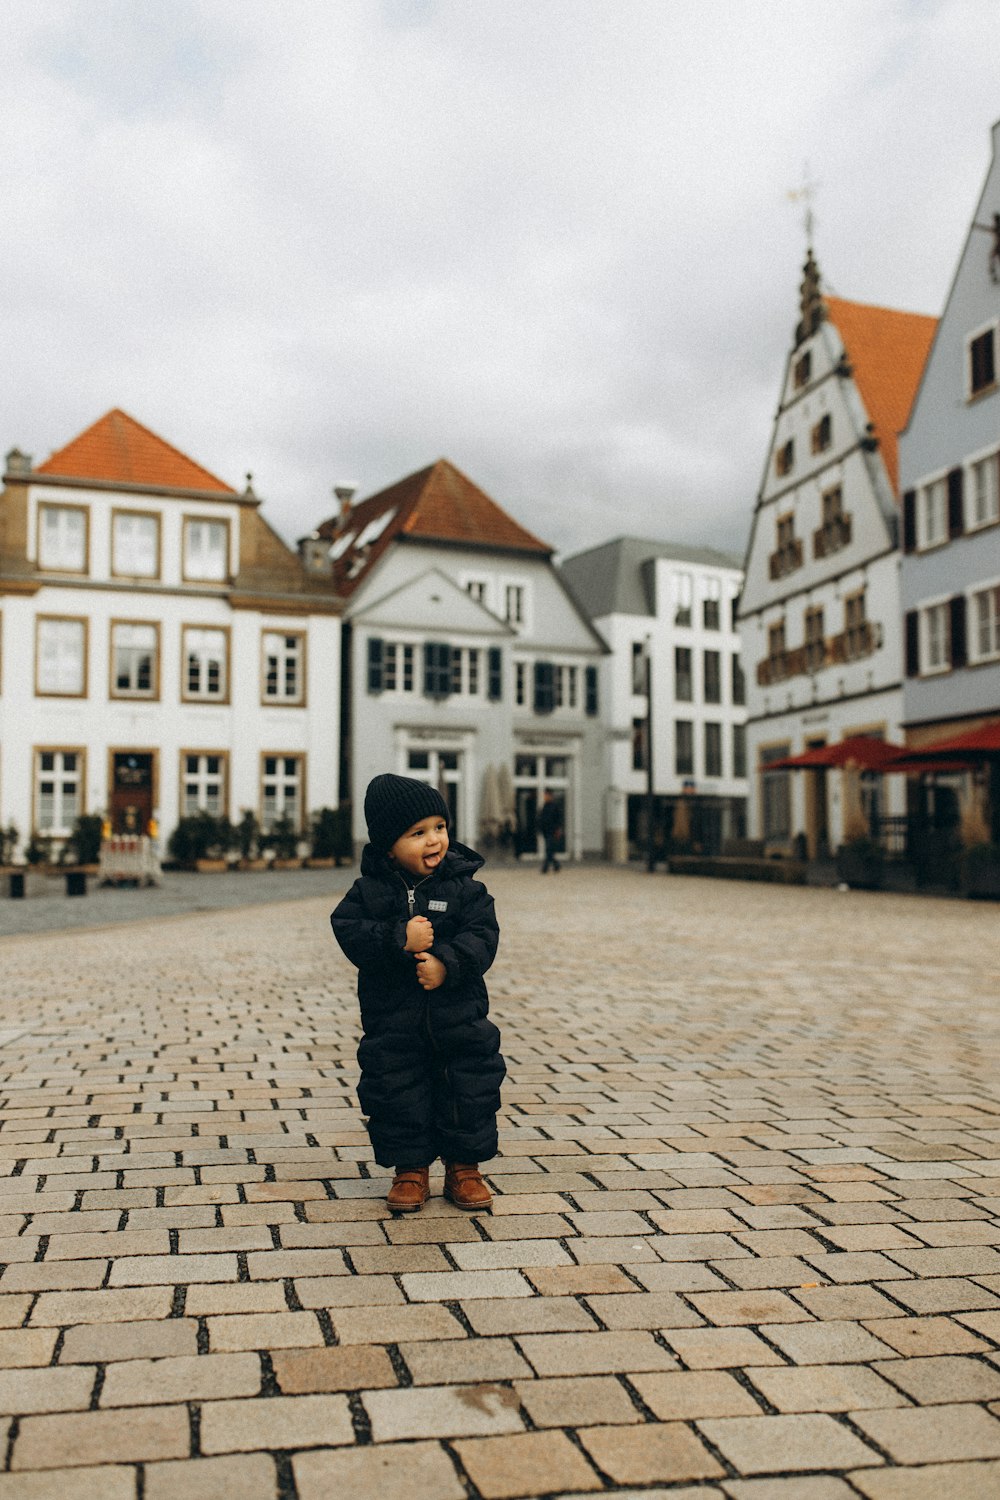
436	504
119	450
888	350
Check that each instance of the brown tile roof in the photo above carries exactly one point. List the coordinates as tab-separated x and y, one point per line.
437	504
888	350
119	450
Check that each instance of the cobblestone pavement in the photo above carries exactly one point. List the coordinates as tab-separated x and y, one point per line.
744	1243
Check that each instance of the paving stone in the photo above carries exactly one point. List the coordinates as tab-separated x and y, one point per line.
218	1298
455	1362
942	1295
966	1481
442	1411
283	1330
345	1291
931	1434
688	1394
528	1463
101	1437
917	1336
21	1348
731	1308
594	1353
846	1303
58	1308
56	1389
278	1422
761	1445
447	1286
652	1310
720	1348
402	1471
250	1477
387	1325
800	1488
943	1378
351	1368
104	1343
577	1401
104	1483
205	1377
817	1388
643	1455
531	1315
557	1281
827	1343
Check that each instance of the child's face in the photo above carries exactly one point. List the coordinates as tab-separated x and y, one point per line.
422	847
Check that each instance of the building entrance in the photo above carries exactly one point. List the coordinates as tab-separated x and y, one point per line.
534	775
132	791
441	769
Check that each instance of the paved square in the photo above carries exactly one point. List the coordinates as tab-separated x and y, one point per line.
746	1238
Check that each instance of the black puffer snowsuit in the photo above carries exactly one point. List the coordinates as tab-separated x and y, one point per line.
430	1059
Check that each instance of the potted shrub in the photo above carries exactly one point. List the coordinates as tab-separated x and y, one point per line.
9	837
330	836
859	858
199	842
248	841
83	847
980	872
283	838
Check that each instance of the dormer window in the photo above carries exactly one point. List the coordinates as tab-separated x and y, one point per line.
135	544
982	361
206	551
62	538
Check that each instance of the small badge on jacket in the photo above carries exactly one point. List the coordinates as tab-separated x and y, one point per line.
437	906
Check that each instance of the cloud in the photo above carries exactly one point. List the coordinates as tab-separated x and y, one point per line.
552	242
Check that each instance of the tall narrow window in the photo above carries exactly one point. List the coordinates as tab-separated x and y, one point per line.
284	677
281	789
982	362
58	790
936	638
62	538
713	677
821	435
61	658
134	654
986	491
802	370
739	681
784	459
683	747
683	592
815	639
638	744
776	794
206	551
712	604
683	674
513	596
739	751
205	668
932	514
135	544
858	640
203	783
986	623
713	749
638	667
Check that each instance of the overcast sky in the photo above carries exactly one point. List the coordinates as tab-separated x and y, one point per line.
333	240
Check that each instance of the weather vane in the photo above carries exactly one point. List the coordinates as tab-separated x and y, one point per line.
805	194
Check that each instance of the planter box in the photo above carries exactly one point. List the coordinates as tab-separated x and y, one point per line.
286	864
21	881
318	864
211	866
251	864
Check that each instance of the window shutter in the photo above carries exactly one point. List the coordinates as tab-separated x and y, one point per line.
495	674
956	510
913	643
590	690
910	521
376	659
959	651
437	669
545	687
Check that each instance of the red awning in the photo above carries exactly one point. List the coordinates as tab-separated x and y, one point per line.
975	744
862	751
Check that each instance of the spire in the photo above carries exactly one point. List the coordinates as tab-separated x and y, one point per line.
811	309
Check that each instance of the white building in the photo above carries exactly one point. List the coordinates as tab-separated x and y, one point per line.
820	612
467	662
677	605
163	650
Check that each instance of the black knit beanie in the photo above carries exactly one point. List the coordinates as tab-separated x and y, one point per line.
394	803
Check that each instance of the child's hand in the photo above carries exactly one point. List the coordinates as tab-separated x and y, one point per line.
419	935
431	971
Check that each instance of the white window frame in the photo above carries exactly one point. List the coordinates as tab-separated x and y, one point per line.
124	566
478	587
274	646
992	326
521	618
399	667
984	591
521	682
61	655
988	459
62	552
199	565
134	652
287	787
210	787
929	610
682	598
205	654
467	672
64	811
937	485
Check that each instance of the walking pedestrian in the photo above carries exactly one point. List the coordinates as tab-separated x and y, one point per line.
422	933
549	825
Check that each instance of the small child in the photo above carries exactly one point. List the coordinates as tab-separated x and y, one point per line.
422	934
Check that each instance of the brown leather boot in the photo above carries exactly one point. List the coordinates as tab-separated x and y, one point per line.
411	1188
464	1186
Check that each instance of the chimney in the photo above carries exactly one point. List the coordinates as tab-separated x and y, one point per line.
344	494
314	554
18	463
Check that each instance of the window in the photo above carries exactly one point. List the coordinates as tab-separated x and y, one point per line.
62	538
205	667
739	681
135	544
982	362
684	747
513	603
638	667
739	751
639	744
683	591
821	435
545	687
397	667
58	790
591	702
787	555
465	673
281	789
932	514
985	491
936	634
835	531
776	794
986	623
858	636
203	782
784	459
206	551
494	674
135	651
683	675
712	604
284	677
521	683
437	669
802	370
815	639
476	589
713	677
565	685
713	749
61	658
